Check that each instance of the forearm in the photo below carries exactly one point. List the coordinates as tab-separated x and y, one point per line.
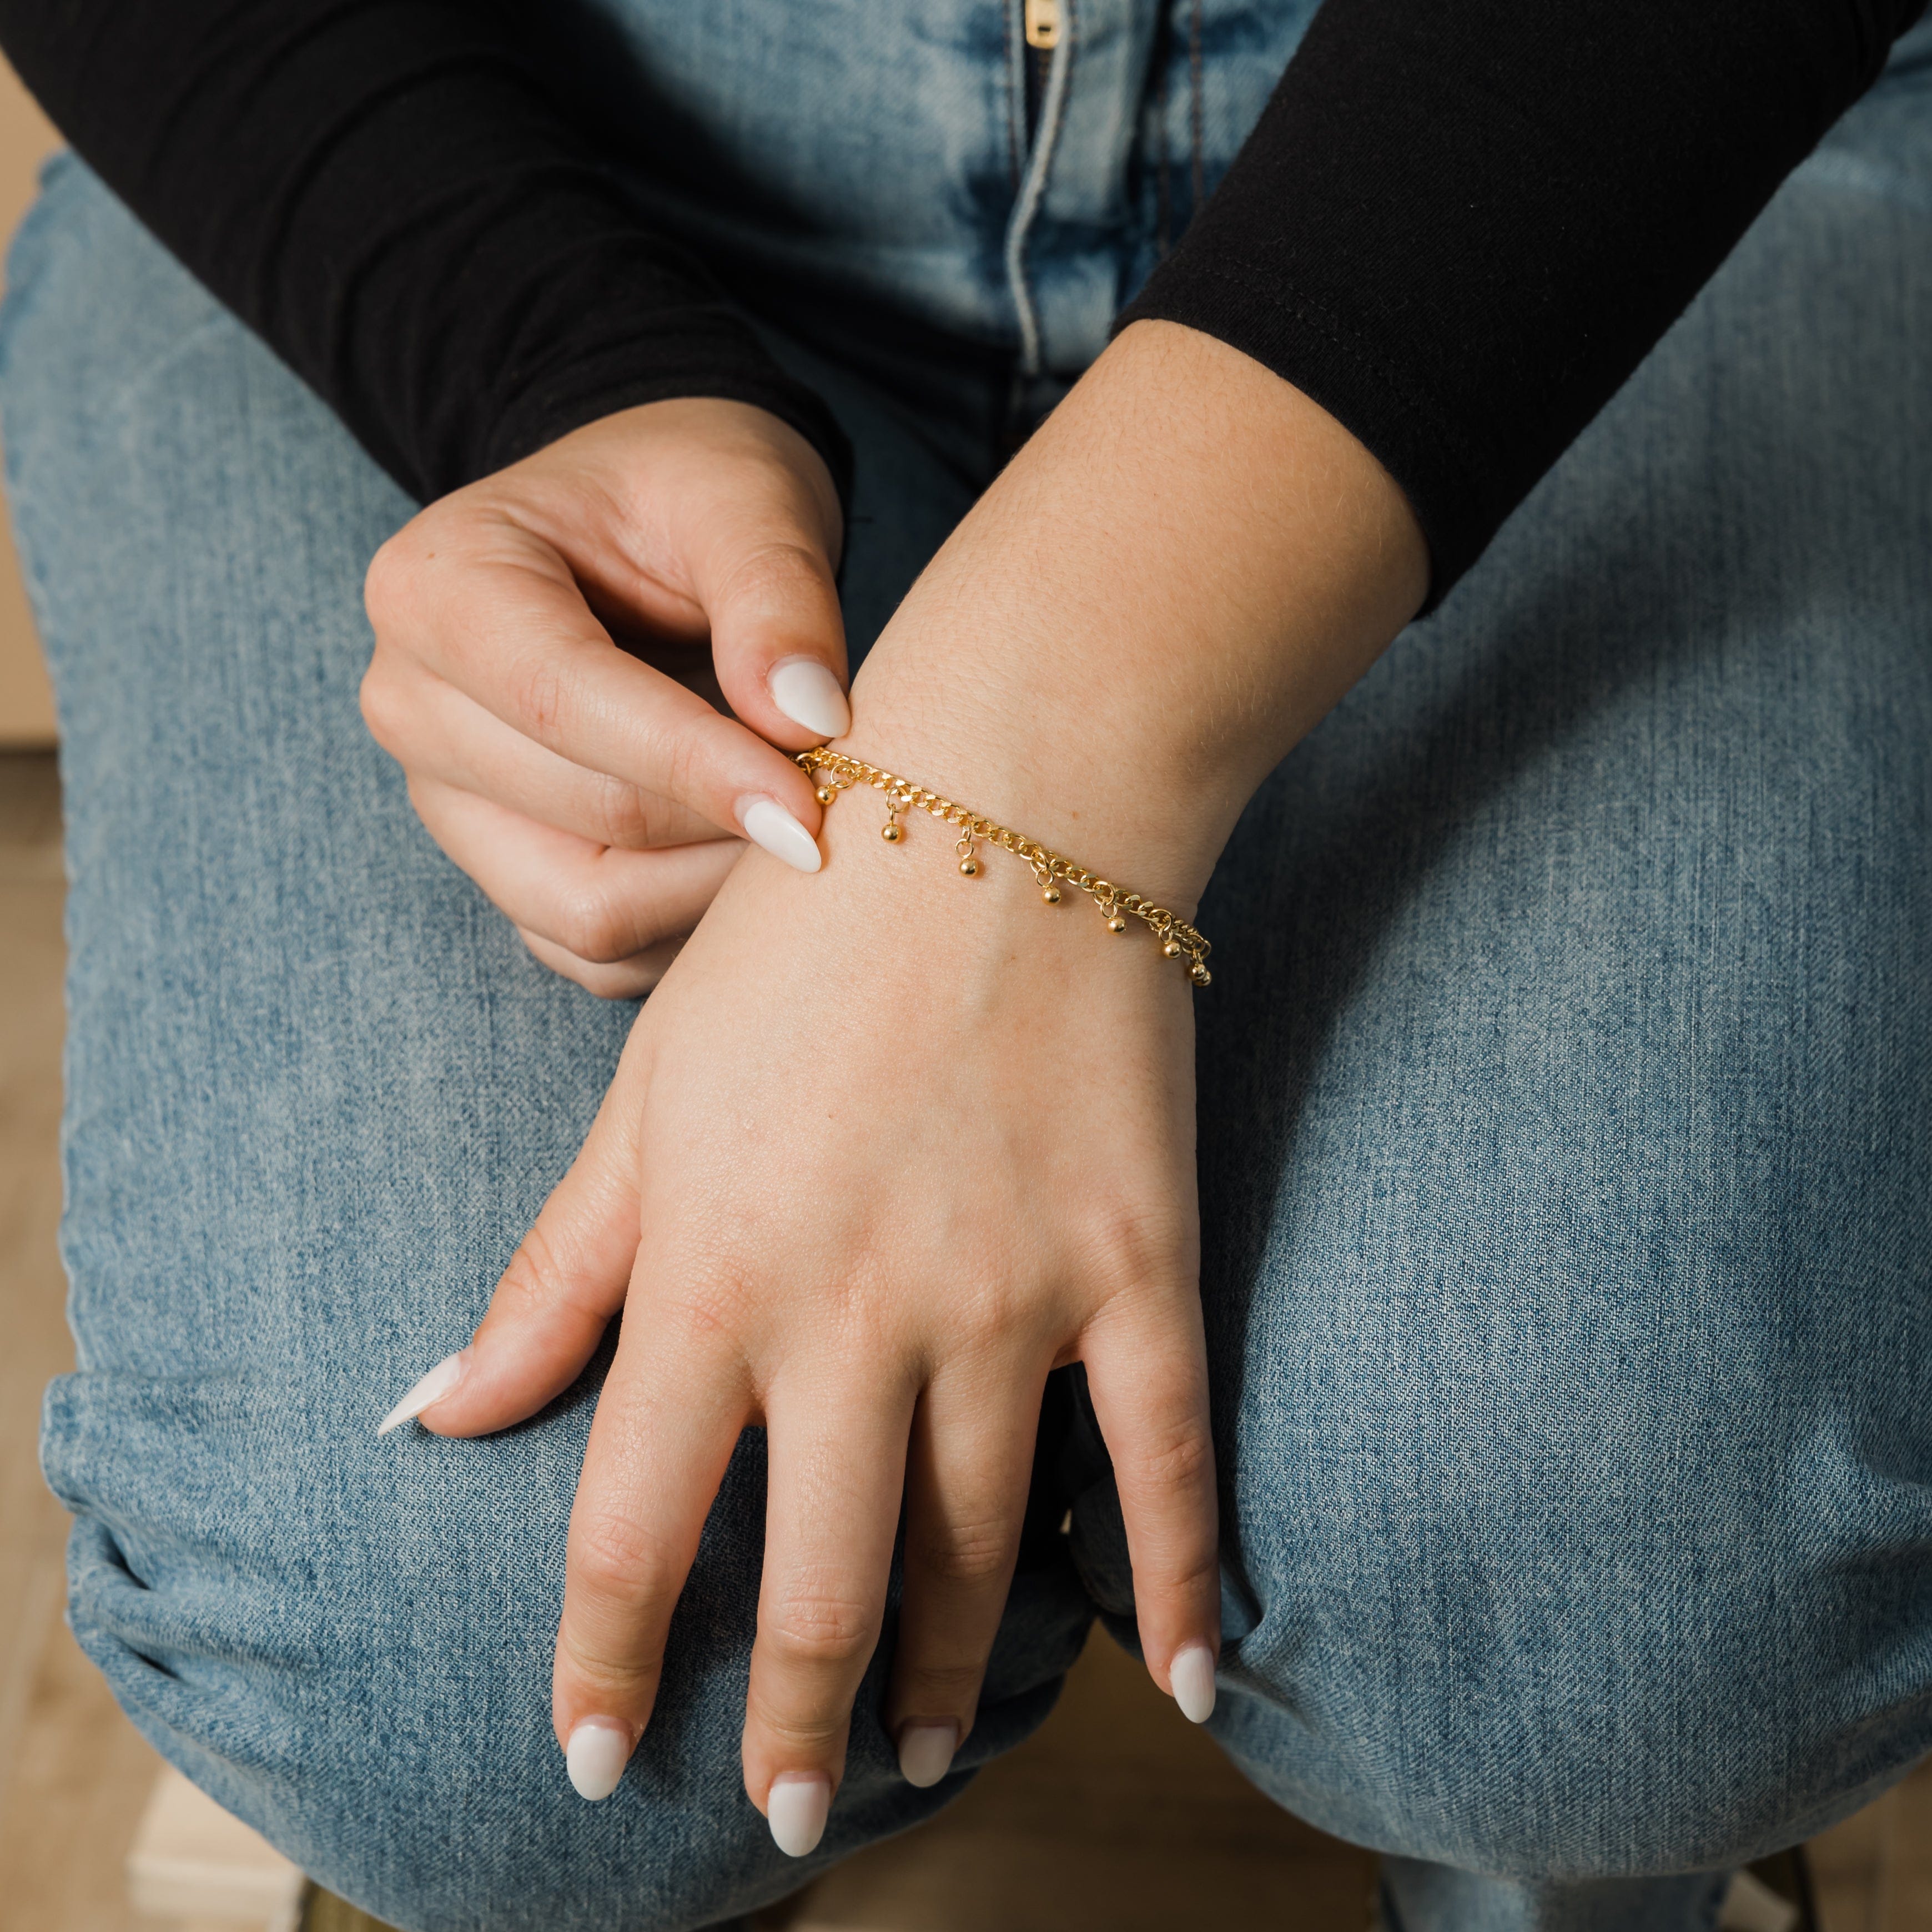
387	192
1179	575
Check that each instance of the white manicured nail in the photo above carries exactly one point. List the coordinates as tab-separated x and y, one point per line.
925	1752
1192	1674
808	695
431	1389
766	823
599	1749
796	1809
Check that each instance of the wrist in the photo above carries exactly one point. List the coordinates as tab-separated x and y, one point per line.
1176	578
955	735
976	838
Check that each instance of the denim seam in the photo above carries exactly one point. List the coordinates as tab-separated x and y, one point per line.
1015	97
1163	218
1197	114
1032	192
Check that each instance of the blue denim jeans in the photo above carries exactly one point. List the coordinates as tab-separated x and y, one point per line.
1565	1098
871	170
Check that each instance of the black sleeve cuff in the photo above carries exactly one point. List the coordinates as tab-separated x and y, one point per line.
1459	228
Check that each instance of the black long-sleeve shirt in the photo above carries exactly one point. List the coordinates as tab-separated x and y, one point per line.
1459	226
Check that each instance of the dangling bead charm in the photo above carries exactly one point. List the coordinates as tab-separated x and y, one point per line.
831	773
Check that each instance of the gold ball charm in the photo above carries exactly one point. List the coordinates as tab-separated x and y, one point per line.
890	834
1117	924
971	867
1199	974
825	794
1051	894
1172	949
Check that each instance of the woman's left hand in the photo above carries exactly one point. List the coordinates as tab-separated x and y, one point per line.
888	1144
897	1145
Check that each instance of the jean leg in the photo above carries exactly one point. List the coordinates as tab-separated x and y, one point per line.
316	1092
1566	1138
1567	1134
1420	1896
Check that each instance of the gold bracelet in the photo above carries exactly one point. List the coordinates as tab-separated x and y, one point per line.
835	773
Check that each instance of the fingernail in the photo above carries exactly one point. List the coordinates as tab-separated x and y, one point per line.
598	1751
1192	1674
430	1390
766	823
808	695
925	1752
796	1808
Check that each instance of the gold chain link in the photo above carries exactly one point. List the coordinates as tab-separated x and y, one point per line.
835	773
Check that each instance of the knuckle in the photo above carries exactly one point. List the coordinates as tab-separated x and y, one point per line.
820	1629
536	1280
385	583
392	584
539	695
614	1558
970	1555
1183	1577
1130	1247
682	763
628	982
1173	1455
774	572
985	1321
380	697
621	814
590	925
986	1316
696	1320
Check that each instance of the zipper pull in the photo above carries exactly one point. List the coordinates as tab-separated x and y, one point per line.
1043	23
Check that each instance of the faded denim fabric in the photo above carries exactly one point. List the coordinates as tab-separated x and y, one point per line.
854	157
1566	1095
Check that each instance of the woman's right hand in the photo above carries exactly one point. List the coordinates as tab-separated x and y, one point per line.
540	674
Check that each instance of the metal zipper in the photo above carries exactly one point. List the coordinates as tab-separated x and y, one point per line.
1042	36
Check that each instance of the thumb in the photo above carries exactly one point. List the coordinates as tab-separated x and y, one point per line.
778	639
563	1285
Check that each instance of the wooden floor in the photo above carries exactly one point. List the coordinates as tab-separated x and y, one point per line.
73	1774
1117	1817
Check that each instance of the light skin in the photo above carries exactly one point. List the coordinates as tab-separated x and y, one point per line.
888	1144
552	646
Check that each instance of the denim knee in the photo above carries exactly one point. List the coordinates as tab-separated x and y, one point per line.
347	1644
1566	1100
1553	1584
356	1662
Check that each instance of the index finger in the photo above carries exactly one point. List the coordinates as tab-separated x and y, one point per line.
503	622
668	1420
